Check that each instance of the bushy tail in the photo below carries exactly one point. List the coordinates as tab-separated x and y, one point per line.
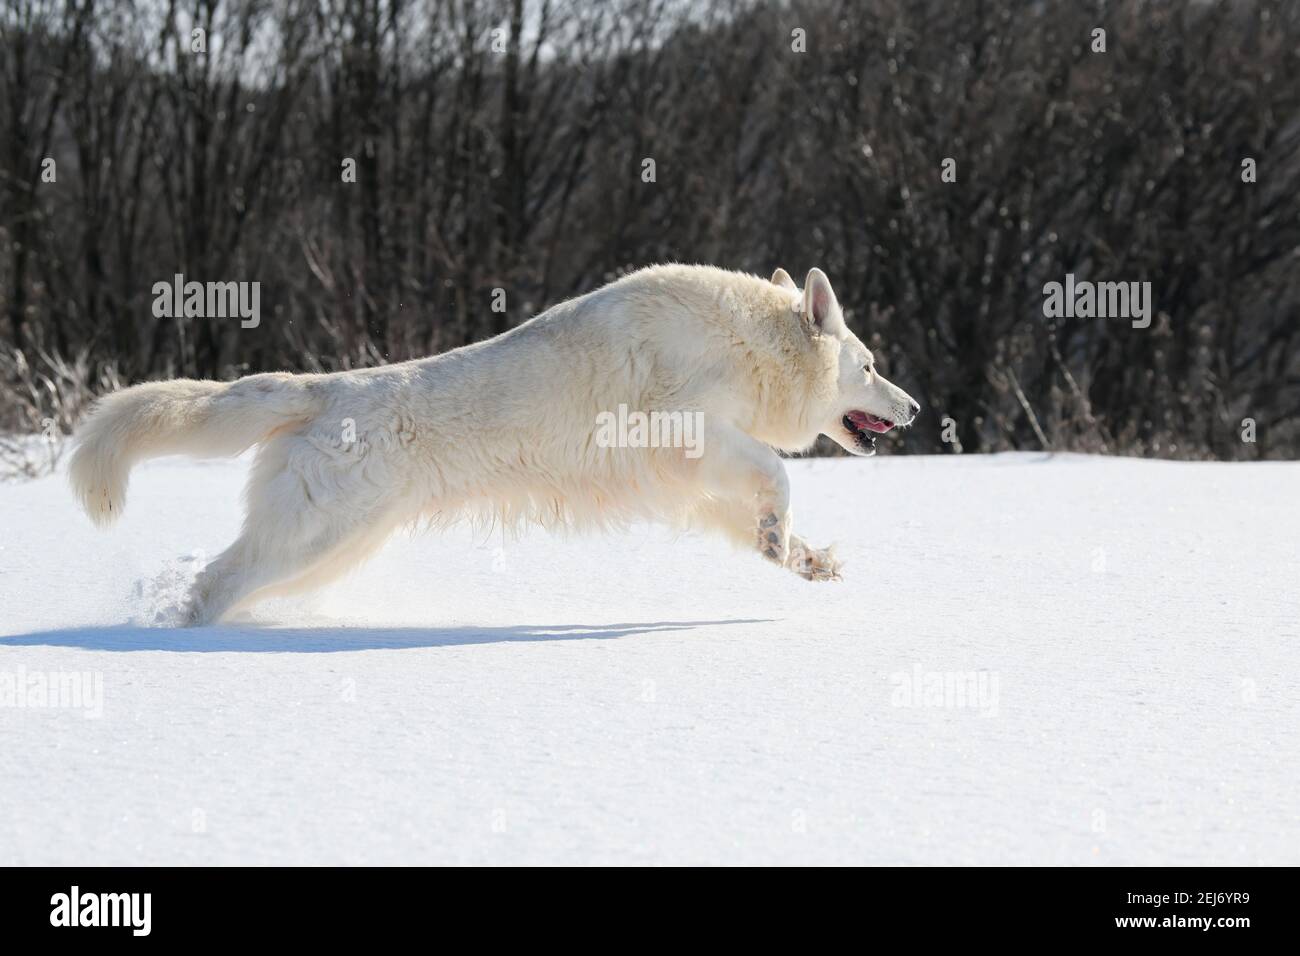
202	419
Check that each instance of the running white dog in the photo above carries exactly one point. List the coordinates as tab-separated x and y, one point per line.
505	429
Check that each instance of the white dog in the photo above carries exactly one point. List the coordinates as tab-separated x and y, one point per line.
505	429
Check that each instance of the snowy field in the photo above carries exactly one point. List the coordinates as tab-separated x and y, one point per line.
1032	660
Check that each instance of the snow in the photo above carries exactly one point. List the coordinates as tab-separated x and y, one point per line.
1128	629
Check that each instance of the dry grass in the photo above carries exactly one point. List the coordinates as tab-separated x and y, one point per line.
39	404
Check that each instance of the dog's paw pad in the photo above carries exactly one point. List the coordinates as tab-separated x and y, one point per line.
774	537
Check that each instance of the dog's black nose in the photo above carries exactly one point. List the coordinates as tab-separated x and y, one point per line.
915	407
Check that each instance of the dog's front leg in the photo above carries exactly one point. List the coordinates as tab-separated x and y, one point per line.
750	500
750	488
815	564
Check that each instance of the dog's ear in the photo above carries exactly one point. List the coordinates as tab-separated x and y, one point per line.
782	279
820	307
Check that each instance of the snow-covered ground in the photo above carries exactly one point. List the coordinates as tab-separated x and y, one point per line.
1058	660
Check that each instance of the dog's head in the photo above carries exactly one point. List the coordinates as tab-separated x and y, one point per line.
859	403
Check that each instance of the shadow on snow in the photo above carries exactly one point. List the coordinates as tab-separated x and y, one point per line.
247	638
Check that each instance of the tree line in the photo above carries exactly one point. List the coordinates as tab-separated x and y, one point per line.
404	177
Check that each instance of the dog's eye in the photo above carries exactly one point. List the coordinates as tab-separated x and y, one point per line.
867	369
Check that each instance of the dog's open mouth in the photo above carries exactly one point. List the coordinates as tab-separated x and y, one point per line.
864	427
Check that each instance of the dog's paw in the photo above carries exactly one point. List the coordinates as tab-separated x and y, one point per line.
774	537
192	614
815	564
197	609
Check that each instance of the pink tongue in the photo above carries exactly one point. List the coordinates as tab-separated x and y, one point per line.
870	422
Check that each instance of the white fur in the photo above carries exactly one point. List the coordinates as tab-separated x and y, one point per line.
503	430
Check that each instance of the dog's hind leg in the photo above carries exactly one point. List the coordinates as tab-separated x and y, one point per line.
330	566
306	514
256	563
